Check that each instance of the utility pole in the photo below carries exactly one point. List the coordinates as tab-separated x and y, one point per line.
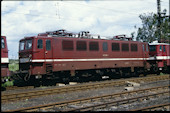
159	20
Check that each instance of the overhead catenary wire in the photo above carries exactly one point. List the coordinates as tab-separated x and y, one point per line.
56	17
103	8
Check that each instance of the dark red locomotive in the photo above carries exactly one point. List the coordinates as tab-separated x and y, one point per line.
159	57
61	55
4	59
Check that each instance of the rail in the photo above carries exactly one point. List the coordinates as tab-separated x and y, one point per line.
165	106
117	103
33	94
97	98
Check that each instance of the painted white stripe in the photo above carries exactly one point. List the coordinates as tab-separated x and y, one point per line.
159	58
4	60
158	44
99	59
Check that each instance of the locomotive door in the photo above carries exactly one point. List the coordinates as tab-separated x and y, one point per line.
145	52
164	50
144	49
48	50
48	56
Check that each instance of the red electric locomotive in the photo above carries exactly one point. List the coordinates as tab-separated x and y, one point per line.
159	57
4	59
63	55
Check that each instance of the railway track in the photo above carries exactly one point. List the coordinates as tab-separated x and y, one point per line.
117	103
38	93
163	107
113	100
16	87
31	87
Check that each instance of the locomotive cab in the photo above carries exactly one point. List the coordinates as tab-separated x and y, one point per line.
33	54
157	50
25	53
159	57
25	57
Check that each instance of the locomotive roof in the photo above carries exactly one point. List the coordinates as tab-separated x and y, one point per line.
3	36
65	37
85	35
159	44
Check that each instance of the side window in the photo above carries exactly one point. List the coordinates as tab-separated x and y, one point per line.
40	44
125	47
48	45
67	45
160	48
143	46
115	47
163	48
134	47
2	43
81	45
94	46
105	47
147	47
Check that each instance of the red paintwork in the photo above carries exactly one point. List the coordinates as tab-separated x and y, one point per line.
4	51
56	52
160	56
4	58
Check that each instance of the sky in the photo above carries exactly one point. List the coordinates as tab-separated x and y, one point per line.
106	18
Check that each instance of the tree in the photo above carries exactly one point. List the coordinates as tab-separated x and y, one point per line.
149	32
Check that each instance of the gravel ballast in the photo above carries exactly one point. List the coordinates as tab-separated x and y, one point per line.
84	94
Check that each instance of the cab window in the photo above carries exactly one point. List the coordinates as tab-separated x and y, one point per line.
40	44
28	44
143	46
147	47
2	43
152	48
48	45
163	48
21	45
160	48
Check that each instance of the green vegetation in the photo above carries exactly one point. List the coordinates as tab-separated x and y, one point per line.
13	65
149	30
8	83
162	73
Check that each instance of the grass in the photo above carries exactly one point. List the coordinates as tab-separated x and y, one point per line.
13	65
8	83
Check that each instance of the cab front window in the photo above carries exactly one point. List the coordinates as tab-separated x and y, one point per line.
152	48
28	44
21	45
2	43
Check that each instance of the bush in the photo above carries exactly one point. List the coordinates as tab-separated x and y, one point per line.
13	65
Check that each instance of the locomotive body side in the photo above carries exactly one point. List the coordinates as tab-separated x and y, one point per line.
56	57
4	59
97	59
